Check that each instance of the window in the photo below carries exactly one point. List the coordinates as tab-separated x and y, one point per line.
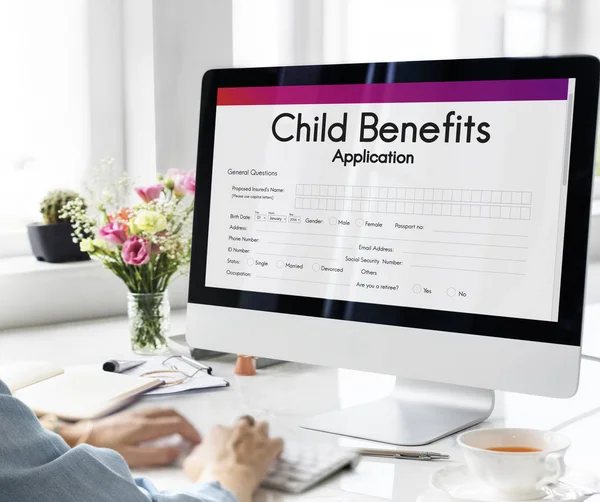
271	32
43	124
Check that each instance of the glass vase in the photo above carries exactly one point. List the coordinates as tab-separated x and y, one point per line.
149	322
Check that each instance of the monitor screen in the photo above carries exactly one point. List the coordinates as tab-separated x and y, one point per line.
446	196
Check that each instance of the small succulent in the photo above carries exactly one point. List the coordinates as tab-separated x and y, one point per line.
54	202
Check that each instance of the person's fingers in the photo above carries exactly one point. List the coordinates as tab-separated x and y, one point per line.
136	456
154	428
247	418
240	432
276	447
263	428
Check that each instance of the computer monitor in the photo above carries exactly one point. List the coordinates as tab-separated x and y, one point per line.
425	219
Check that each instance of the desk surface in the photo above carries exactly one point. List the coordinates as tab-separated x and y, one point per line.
287	393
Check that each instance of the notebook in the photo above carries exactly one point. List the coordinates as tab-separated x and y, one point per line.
77	393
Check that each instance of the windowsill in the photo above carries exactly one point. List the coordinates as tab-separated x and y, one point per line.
28	264
36	293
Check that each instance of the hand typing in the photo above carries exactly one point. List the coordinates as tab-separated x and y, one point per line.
238	457
126	431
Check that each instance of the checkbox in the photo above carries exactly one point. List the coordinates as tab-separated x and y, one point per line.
347	205
391	193
475	211
355	205
456	195
382	207
455	209
427	208
505	212
526	198
475	195
306	189
446	209
366	192
465	211
339	205
306	203
437	209
299	189
485	211
340	191
418	194
331	190
516	198
323	190
447	195
428	194
486	196
410	193
330	204
314	189
515	213
506	196
356	192
466	195
495	212
347	191
418	208
322	203
373	205
374	192
383	193
401	193
400	207
391	207
314	203
496	197
364	205
437	194
409	208
525	213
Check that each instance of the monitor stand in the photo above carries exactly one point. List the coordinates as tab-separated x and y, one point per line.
416	413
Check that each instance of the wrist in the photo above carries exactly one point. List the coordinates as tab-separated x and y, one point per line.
75	433
238	479
69	432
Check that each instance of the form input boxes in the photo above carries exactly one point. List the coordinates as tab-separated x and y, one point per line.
500	197
506	212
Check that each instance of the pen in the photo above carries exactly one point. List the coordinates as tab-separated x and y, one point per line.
117	366
404	454
196	364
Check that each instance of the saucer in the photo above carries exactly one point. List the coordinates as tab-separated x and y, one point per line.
457	482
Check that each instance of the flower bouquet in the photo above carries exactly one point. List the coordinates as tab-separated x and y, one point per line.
146	245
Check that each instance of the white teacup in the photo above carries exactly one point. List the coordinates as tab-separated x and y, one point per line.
515	475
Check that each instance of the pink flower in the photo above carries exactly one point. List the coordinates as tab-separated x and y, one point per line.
136	251
113	232
149	193
176	177
189	182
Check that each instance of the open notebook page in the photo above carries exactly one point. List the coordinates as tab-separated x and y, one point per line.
20	375
84	392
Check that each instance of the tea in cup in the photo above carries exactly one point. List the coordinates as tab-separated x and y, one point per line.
515	464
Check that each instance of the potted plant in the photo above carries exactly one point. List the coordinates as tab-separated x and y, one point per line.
52	240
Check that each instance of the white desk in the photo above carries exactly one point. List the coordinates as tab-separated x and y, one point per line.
285	394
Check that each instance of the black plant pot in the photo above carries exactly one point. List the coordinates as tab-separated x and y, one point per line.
54	243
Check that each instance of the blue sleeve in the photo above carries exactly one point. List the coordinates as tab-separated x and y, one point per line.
37	465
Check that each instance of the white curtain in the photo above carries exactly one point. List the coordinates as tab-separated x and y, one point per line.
273	32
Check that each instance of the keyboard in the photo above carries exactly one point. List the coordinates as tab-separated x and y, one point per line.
302	466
